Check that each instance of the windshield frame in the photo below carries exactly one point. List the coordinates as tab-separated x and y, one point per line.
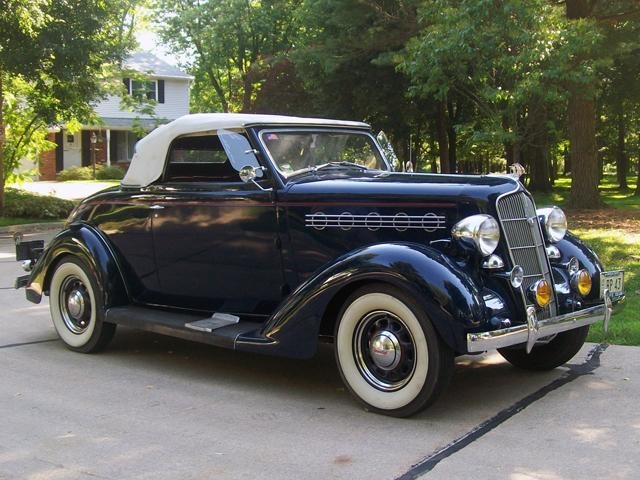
286	177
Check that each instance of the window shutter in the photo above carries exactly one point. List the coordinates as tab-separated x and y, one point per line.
127	85
160	91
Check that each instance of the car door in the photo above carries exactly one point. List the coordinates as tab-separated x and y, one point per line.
216	237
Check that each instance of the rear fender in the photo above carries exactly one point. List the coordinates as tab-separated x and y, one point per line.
449	296
89	244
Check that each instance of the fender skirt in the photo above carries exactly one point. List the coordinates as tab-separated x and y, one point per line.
450	297
87	243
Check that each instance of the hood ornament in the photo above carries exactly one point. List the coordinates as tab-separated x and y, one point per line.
516	171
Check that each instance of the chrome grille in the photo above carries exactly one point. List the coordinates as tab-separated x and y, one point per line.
523	235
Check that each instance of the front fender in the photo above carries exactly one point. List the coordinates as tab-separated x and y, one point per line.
450	297
89	244
572	246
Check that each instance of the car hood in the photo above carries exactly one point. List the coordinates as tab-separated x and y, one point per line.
391	187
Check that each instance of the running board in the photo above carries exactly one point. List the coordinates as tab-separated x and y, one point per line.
217	320
223	332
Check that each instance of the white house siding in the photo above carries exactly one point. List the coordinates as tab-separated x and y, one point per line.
176	103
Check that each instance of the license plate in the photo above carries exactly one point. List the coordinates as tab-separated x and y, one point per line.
612	281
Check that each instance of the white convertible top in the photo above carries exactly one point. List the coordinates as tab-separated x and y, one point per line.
151	152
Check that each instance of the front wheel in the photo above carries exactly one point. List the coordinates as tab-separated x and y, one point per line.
388	352
548	355
76	306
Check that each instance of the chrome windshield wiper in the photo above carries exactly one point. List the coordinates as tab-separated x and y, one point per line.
341	164
314	168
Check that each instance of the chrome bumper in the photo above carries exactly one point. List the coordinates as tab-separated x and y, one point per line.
536	329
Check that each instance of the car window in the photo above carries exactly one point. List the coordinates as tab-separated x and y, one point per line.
200	158
295	151
239	150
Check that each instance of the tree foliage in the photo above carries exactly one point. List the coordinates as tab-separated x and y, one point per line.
229	45
55	56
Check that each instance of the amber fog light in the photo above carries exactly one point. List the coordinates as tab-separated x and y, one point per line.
581	282
543	293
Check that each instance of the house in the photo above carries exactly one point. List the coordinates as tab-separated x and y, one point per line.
114	136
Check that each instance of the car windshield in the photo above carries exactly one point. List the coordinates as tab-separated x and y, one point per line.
300	151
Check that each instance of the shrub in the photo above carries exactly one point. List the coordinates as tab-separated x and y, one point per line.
76	173
86	173
109	173
21	204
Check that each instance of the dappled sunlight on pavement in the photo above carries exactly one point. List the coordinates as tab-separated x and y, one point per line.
65	190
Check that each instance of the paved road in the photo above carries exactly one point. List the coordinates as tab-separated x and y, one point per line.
153	407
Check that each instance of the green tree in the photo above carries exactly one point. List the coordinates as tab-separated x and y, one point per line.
589	21
346	57
230	46
499	58
62	52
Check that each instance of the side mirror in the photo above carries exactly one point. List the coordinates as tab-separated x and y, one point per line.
249	173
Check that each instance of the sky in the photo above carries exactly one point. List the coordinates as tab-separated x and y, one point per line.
150	42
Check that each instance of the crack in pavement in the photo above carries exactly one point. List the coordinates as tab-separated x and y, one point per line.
575	371
11	345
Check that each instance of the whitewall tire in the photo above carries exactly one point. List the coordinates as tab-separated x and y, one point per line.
76	306
388	352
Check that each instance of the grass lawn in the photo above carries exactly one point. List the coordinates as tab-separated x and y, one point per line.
9	221
614	233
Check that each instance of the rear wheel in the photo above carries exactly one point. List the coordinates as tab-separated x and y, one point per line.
76	306
388	352
549	355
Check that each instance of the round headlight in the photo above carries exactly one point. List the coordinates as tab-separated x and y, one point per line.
482	230
542	291
555	223
516	277
581	282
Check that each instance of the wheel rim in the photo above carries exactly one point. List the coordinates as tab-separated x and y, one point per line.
384	350
75	305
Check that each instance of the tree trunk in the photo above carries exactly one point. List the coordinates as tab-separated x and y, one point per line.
537	148
622	160
2	144
453	139
581	117
585	173
443	139
247	94
567	161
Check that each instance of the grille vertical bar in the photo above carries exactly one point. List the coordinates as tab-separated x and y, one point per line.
523	235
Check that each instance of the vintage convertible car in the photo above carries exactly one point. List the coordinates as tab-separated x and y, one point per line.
268	234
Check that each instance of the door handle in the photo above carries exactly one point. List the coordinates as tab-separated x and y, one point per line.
156	207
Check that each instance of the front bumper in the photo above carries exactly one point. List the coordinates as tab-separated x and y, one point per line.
535	329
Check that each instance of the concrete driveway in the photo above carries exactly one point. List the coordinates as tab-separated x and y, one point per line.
67	190
153	407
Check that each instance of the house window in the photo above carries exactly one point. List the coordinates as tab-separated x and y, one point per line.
145	89
122	145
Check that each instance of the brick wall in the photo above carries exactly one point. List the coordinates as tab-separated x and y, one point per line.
48	161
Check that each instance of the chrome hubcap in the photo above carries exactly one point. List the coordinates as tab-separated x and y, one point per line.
75	305
384	350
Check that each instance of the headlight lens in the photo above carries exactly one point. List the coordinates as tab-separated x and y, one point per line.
581	282
555	223
482	230
542	291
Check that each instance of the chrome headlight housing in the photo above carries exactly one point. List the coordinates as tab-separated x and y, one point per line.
554	221
480	230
